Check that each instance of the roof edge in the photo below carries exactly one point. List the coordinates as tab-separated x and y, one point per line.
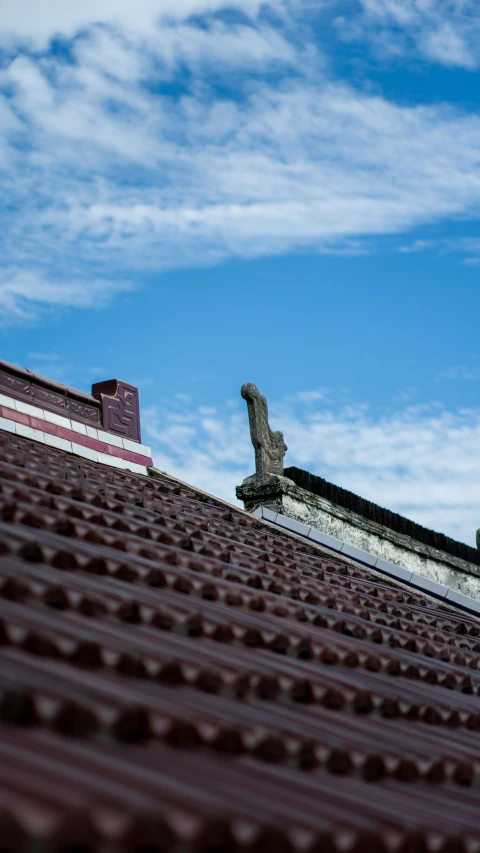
320	543
385	517
450	598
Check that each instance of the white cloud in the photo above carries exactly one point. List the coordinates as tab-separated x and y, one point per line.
423	462
468	247
154	141
442	31
449	45
212	453
307	396
38	23
23	294
300	166
417	246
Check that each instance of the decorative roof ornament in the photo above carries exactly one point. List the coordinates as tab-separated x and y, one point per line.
270	447
120	407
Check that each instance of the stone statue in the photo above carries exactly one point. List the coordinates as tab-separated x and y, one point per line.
270	447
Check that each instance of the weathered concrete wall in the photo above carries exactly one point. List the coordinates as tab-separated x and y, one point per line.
282	495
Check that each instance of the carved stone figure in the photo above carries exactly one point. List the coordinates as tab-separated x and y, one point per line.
270	447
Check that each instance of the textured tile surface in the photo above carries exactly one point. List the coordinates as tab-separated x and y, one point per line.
36	427
177	676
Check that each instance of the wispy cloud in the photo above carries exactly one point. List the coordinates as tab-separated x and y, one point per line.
151	139
468	248
461	372
417	246
22	21
423	462
46	357
441	31
23	294
308	396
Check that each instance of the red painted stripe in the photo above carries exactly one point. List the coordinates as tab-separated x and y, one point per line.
80	439
139	460
13	415
64	433
44	426
71	435
102	447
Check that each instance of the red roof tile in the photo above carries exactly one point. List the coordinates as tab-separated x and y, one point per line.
176	675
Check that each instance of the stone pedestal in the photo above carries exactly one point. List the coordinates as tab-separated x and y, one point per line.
264	490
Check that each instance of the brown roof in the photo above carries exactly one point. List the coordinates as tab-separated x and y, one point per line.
179	676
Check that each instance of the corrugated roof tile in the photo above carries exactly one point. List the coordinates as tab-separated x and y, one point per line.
178	675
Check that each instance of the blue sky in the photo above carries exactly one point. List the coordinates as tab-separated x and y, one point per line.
198	193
